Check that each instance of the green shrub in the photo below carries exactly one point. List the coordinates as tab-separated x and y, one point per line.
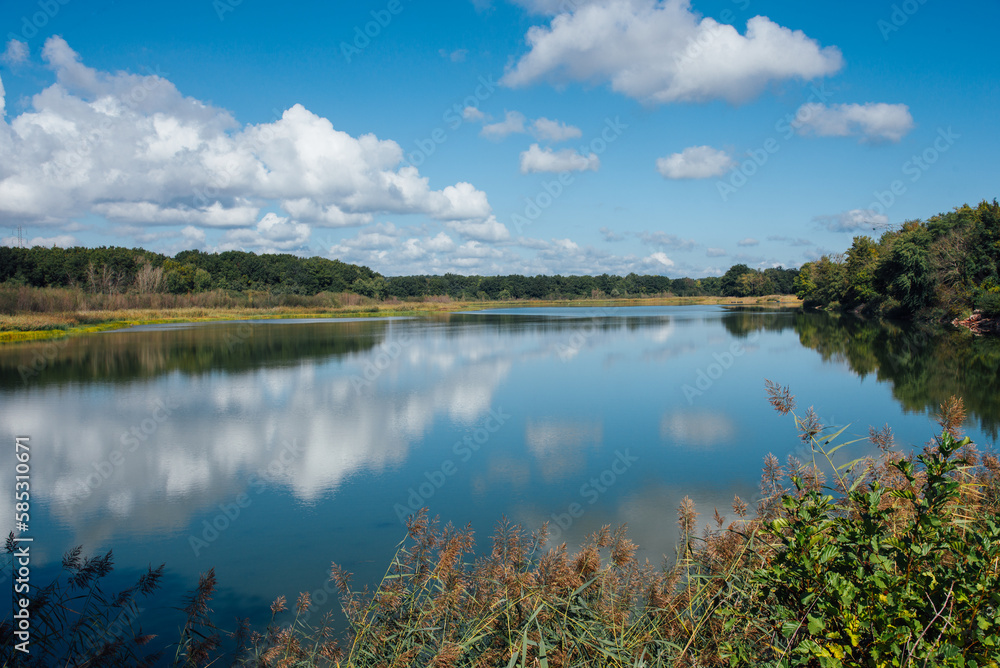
989	302
871	582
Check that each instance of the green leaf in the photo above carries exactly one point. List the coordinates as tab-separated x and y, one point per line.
816	624
789	628
828	553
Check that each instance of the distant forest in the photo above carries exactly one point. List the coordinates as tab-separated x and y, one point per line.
940	268
113	270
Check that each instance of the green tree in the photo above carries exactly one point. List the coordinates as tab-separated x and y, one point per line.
731	284
821	283
862	261
375	288
179	277
754	284
905	274
202	280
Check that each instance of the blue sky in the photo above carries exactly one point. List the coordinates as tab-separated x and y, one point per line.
531	136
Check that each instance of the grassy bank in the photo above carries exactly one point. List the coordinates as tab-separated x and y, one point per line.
890	560
42	313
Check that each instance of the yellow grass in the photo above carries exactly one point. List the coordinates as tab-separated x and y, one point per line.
35	326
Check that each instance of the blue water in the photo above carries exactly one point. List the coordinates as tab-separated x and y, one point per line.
323	434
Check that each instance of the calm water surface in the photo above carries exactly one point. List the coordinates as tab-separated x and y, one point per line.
269	449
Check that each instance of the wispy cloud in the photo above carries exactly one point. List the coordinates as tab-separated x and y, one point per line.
554	131
790	241
456	56
871	121
513	123
16	52
853	220
472	114
665	240
610	236
537	159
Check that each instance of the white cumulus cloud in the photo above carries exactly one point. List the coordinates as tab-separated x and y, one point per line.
193	236
132	148
696	162
537	159
440	243
871	121
481	230
660	258
273	234
661	51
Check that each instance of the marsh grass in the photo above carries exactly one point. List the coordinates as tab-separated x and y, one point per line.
885	560
30	313
76	622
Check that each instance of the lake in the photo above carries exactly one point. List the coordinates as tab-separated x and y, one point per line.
268	449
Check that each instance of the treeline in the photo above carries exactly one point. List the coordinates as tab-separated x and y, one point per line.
739	281
532	287
742	281
120	270
939	268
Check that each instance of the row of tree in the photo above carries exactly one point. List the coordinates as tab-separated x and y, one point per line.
739	281
119	270
941	268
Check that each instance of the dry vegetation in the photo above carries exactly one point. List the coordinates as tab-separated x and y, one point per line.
28	313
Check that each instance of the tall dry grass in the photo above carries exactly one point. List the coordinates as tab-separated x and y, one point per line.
20	299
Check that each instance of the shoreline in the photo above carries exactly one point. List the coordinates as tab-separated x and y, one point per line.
25	327
979	324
